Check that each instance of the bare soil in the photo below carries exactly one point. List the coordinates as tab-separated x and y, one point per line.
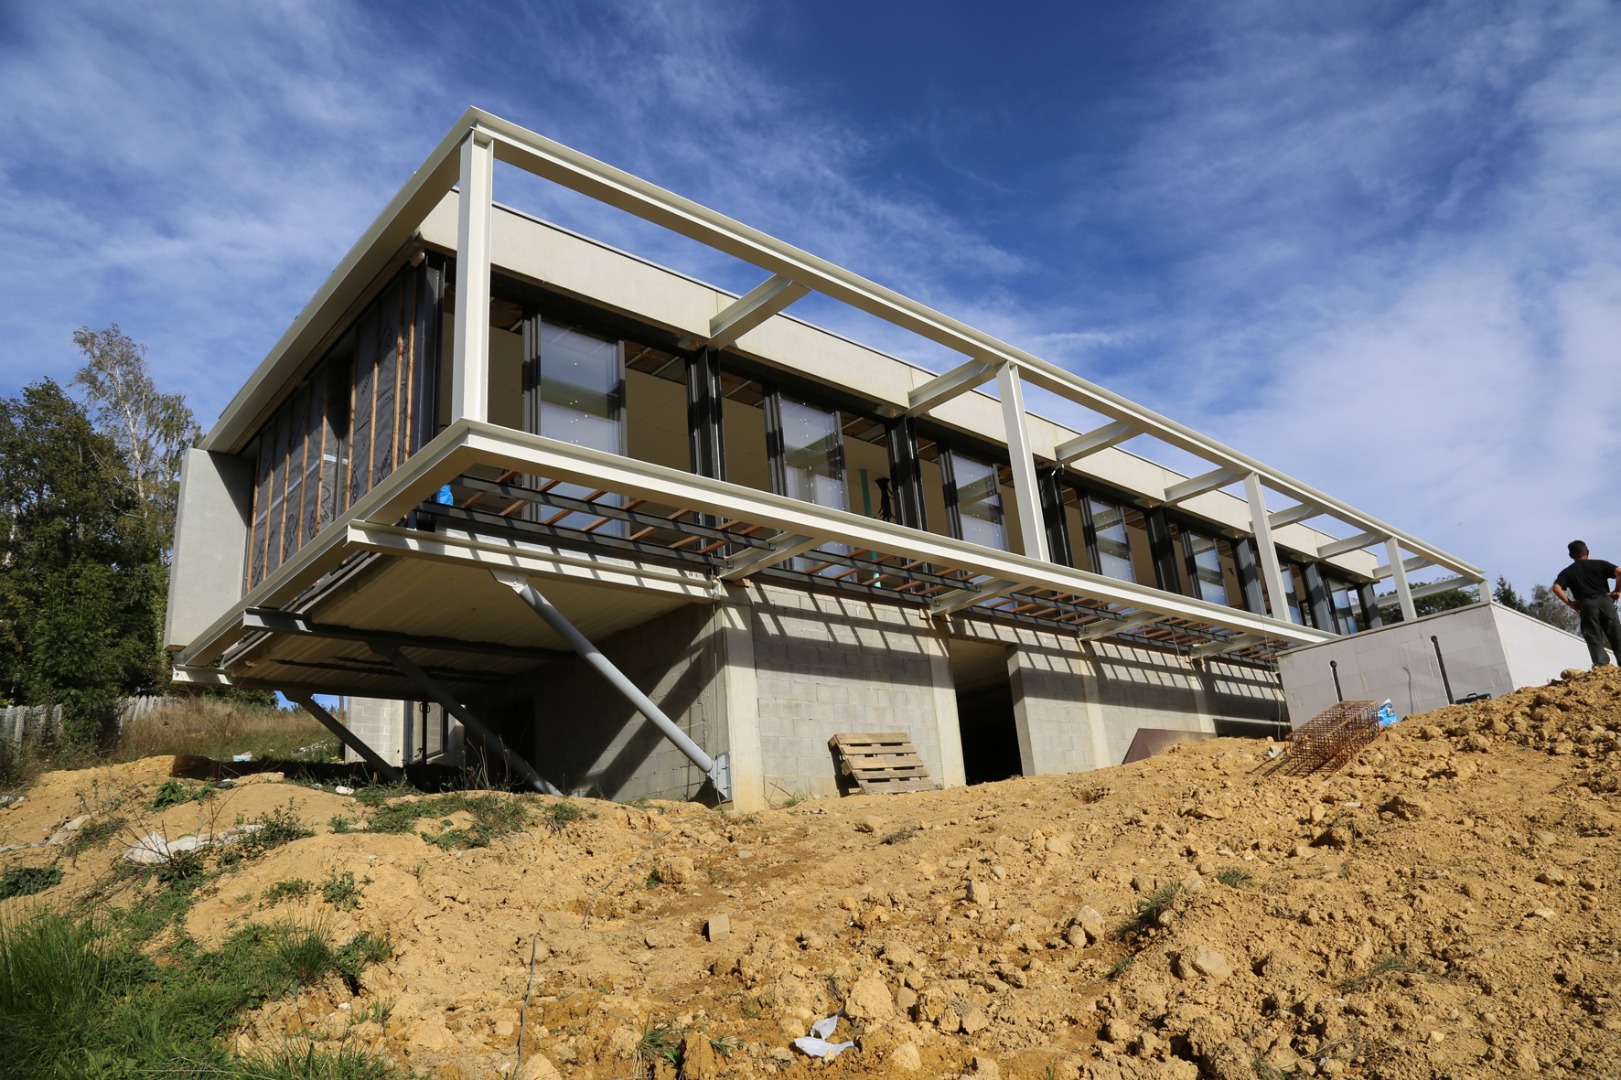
1445	906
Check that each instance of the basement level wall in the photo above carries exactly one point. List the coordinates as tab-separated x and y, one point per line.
772	673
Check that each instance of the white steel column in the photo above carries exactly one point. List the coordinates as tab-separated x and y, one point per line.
1032	526
1398	574
470	370
1271	569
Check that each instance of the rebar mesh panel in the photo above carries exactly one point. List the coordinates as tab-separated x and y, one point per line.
1329	740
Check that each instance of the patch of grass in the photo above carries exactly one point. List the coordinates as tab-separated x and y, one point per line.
1233	878
1121	966
1385	964
182	869
560	816
375	795
340	824
341	891
291	889
792	800
179	793
275	828
653	880
660	1042
1148	911
28	880
221	728
82	999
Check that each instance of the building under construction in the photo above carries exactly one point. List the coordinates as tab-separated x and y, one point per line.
636	535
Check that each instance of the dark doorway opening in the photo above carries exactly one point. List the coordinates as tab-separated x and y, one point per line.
985	718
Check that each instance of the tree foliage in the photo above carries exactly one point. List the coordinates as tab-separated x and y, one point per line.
81	578
1429	605
150	429
1505	595
1552	610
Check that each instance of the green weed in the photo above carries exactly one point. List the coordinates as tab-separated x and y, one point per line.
178	793
341	891
291	889
1148	911
28	880
1233	878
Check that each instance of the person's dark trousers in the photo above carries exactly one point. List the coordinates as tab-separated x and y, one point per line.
1600	624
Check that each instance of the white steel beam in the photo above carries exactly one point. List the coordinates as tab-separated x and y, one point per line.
1398	570
1302	512
782	549
942	388
470	364
1408	566
464	444
1350	543
1198	485
1032	526
1097	439
451	545
1217	648
1418	592
1111	627
753	308
1271	567
957	599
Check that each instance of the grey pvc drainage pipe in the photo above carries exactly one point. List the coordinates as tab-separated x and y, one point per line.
716	770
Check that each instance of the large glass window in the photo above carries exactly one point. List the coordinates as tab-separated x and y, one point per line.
1110	540
580	400
1204	565
978	501
1295	589
812	457
1343	598
809	464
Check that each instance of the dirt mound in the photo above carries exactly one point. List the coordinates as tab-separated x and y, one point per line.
1445	906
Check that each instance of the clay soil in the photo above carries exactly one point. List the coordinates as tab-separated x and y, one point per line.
1444	906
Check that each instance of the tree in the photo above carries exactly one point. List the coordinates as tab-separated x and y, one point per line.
1429	605
150	429
81	576
1552	610
1505	595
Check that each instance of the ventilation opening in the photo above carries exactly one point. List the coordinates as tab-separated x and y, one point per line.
990	736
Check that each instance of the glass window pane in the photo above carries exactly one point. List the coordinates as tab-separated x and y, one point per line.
581	403
1207	564
812	458
1113	542
979	502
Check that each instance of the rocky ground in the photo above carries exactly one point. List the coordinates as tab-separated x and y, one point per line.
1445	906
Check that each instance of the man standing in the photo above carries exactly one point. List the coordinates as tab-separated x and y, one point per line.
1588	579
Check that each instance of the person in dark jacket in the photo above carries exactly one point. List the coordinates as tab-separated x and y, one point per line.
1584	585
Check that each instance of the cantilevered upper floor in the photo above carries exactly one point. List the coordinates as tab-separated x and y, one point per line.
476	398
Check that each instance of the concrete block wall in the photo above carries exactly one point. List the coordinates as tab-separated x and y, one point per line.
1486	649
830	663
585	737
1078	704
395	730
382	724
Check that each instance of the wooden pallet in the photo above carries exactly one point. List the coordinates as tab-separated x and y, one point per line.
879	764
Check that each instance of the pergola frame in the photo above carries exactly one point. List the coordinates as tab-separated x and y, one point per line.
465	159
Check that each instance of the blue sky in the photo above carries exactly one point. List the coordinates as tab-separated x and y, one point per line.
1376	245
